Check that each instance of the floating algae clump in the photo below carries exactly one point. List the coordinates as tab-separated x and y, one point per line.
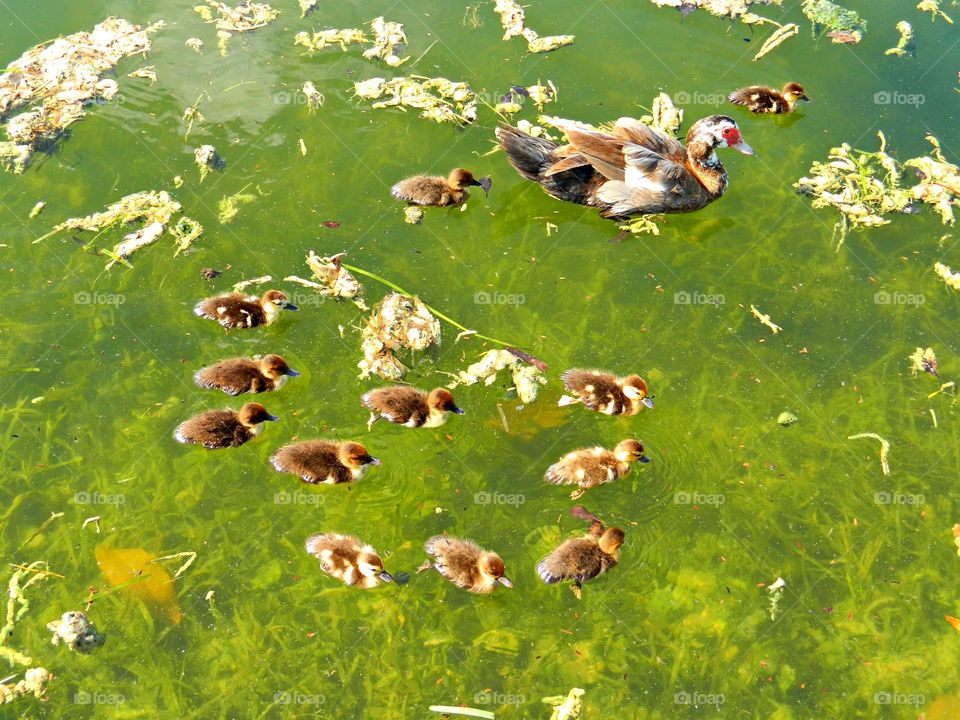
331	279
939	184
923	360
389	39
905	46
244	17
60	79
513	21
566	708
397	322
527	379
952	279
861	186
842	25
75	631
438	99
865	186
328	38
34	683
151	208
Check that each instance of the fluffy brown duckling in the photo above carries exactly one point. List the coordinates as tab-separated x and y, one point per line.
224	428
582	559
409	406
236	310
347	559
589	467
760	99
324	461
246	375
466	564
604	392
438	191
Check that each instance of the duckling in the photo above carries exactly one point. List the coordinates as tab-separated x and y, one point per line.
582	559
345	558
410	407
438	191
604	392
466	564
760	99
324	461
589	467
236	310
246	375
224	428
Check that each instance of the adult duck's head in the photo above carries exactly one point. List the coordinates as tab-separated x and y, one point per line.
717	131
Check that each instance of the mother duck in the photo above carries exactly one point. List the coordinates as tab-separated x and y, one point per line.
628	168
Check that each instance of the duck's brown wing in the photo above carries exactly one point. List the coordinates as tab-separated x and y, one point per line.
455	559
314	461
398	405
578	559
599	391
758	98
602	151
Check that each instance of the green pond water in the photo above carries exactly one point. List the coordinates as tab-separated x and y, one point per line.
97	369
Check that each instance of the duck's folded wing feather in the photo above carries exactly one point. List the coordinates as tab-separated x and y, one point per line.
603	152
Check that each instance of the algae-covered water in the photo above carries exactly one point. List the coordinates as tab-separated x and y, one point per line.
97	371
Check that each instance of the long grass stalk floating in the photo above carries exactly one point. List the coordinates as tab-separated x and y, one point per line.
884	449
393	286
453	710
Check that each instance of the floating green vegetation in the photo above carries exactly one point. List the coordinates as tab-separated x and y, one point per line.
905	45
59	79
244	17
842	25
866	186
438	99
513	20
229	205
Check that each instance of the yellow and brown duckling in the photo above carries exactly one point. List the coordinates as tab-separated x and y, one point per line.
582	559
347	559
438	191
324	461
236	310
466	564
408	406
224	428
760	99
589	467
246	375
604	392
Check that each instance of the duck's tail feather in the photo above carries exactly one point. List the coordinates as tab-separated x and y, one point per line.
530	156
